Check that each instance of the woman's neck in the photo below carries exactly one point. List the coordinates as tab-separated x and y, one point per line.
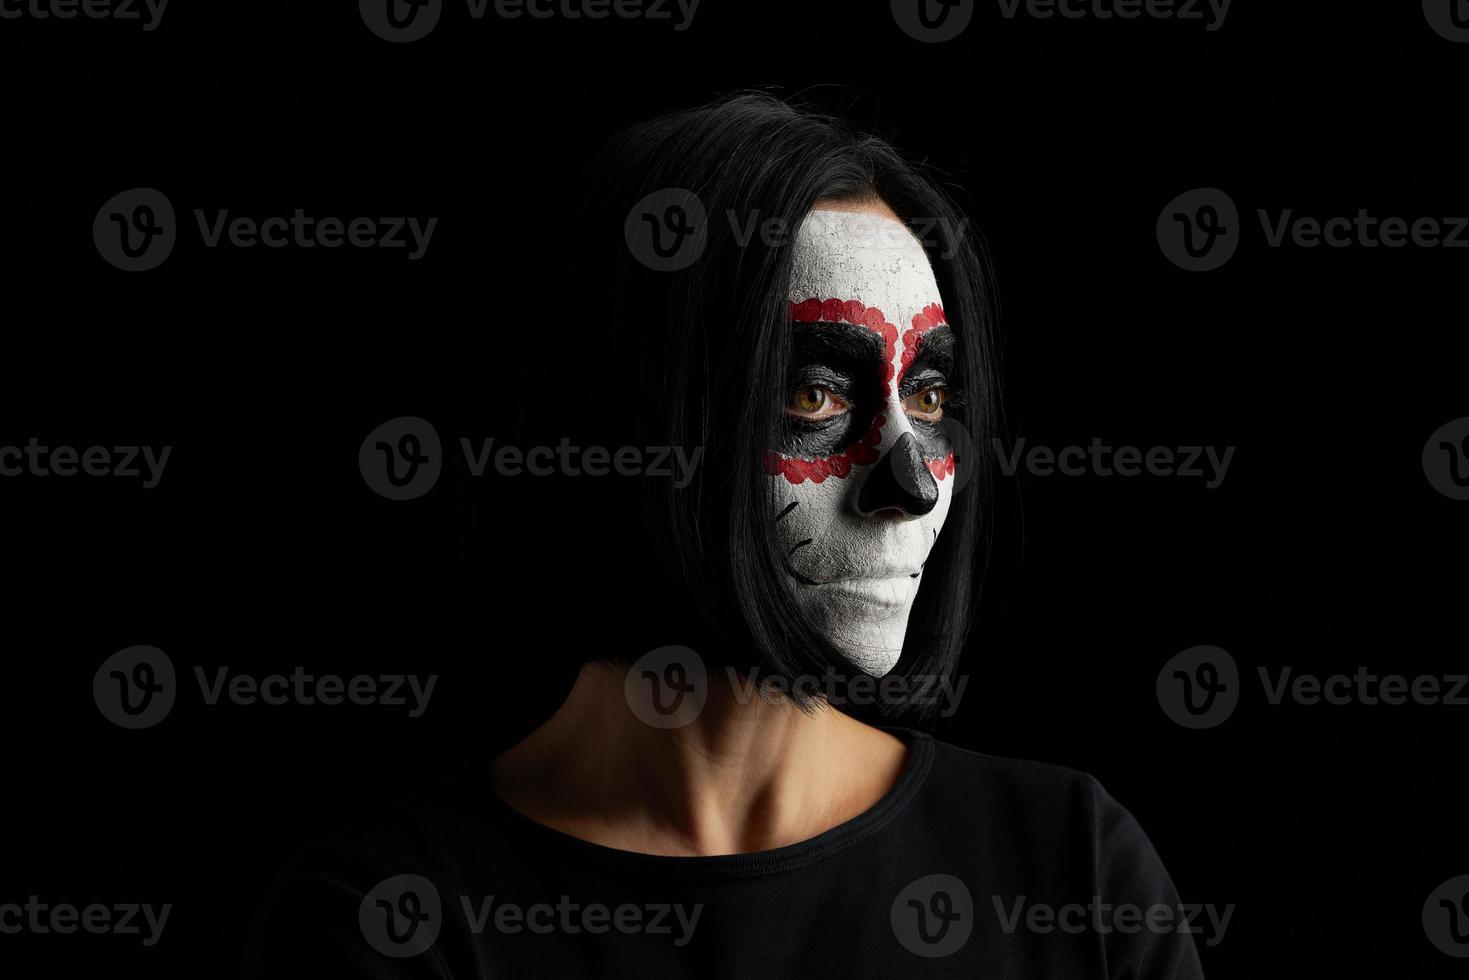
746	775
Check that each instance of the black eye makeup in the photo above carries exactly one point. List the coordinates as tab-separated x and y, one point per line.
929	392
834	387
933	359
928	384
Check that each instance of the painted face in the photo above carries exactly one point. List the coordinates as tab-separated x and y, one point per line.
861	485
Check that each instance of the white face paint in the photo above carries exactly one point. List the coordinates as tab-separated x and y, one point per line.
861	489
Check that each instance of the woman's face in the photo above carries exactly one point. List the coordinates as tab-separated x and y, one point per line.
862	482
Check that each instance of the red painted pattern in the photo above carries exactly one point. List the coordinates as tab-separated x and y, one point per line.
864	452
850	311
926	319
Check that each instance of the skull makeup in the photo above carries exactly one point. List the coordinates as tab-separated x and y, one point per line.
862	484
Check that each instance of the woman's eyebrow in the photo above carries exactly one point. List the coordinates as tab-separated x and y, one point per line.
935	350
825	341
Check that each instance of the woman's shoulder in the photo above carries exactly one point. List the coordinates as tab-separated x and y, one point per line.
1010	790
1043	821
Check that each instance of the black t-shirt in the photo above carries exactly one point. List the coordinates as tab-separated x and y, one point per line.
971	866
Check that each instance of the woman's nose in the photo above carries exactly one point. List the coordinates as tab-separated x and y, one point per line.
899	481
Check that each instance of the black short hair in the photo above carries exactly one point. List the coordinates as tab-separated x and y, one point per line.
687	355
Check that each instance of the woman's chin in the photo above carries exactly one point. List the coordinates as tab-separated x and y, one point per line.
876	647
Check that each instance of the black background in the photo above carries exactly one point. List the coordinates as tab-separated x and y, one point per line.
262	548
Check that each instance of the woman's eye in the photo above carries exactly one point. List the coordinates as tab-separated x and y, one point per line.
927	404
814	402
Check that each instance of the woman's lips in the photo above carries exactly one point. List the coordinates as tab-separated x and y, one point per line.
891	591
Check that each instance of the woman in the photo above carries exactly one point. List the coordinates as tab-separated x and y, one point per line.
800	310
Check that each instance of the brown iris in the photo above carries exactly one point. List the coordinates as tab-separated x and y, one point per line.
927	404
815	402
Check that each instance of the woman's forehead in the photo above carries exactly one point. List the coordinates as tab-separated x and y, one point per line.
864	256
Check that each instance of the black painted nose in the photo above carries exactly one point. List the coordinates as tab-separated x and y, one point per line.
900	480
